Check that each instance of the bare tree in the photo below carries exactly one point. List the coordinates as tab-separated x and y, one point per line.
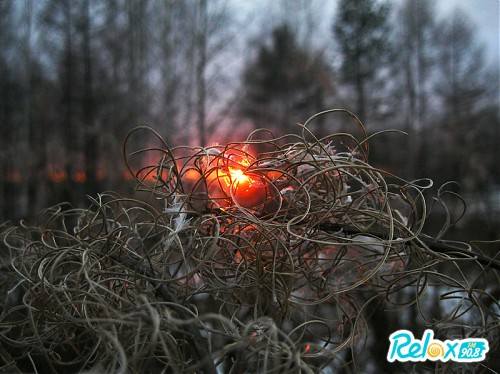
6	39
138	36
462	86
33	144
201	66
414	56
213	35
91	150
67	97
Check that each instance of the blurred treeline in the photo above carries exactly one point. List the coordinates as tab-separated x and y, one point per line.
76	76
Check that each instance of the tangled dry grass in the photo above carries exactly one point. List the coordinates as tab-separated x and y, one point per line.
266	255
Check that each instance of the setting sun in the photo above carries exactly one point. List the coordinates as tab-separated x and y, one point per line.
238	176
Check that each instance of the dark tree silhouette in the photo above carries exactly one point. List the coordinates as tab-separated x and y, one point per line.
361	30
285	83
8	87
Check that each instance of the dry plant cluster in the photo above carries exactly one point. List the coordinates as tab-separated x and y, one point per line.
267	255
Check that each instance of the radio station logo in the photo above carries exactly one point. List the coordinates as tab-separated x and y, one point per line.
404	347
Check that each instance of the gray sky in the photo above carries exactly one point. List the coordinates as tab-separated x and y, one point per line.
485	14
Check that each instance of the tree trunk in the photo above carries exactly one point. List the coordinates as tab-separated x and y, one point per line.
200	71
5	142
90	143
359	84
67	103
360	97
34	145
411	114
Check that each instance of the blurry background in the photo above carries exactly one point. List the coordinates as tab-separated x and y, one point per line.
76	76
